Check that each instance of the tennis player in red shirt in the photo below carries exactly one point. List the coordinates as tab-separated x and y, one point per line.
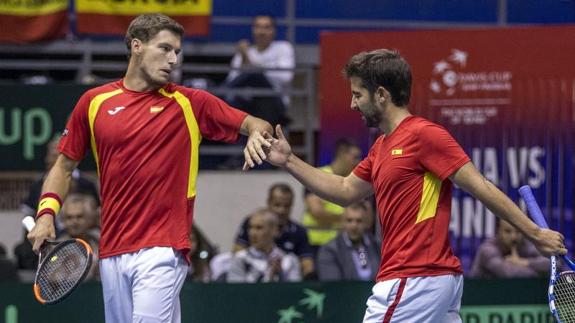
144	133
410	169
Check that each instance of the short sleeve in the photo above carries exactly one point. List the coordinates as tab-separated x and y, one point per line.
75	140
439	152
217	120
364	168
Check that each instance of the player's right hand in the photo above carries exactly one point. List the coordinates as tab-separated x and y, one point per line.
44	229
549	242
280	150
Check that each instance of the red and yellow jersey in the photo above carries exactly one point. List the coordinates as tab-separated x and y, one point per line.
409	171
146	149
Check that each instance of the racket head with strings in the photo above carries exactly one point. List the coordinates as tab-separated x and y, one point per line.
62	266
561	292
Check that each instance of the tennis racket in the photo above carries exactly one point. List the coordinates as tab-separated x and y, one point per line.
561	285
62	266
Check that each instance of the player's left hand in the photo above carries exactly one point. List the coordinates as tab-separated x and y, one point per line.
255	150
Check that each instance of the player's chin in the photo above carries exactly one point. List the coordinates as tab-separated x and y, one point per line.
162	78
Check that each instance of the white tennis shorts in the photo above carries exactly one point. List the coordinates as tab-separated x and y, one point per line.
143	286
433	299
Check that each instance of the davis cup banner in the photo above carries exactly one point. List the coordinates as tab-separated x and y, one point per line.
506	95
26	21
112	17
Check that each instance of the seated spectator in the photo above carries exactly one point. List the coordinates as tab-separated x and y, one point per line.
201	254
8	270
220	265
508	255
264	53
322	218
75	217
263	261
353	254
292	237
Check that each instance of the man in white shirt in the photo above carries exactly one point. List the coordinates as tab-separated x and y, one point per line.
263	261
264	53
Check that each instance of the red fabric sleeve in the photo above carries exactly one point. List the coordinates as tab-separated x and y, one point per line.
76	137
364	168
217	120
439	152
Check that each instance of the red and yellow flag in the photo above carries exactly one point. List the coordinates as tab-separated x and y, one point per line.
112	17
26	21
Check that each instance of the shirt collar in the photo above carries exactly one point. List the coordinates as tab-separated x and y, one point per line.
348	242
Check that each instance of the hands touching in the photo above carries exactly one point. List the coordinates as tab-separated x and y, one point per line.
264	147
279	150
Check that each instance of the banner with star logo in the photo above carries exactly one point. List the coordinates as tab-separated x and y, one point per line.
506	95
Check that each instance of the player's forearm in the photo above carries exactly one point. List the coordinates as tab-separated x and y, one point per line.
327	186
502	206
470	180
59	177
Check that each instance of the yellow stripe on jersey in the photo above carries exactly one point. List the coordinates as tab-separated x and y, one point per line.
195	137
429	197
92	112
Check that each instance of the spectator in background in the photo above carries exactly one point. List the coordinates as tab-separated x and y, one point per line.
292	237
323	218
201	253
263	261
264	53
76	219
353	254
508	255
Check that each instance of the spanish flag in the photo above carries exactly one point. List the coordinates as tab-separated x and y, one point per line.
112	17
27	21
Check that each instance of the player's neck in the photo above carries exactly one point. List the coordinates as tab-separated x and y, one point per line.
135	81
393	116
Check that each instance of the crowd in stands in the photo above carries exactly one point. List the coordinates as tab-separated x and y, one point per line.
332	243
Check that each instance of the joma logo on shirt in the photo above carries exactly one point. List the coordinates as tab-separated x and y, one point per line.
156	109
396	152
115	110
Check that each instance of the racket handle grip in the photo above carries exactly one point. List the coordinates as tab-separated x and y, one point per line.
532	206
28	223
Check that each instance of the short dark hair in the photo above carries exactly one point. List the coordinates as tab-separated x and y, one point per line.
147	26
265	15
385	68
282	187
358	206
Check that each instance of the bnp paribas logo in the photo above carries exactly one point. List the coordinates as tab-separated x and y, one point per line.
445	74
452	74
